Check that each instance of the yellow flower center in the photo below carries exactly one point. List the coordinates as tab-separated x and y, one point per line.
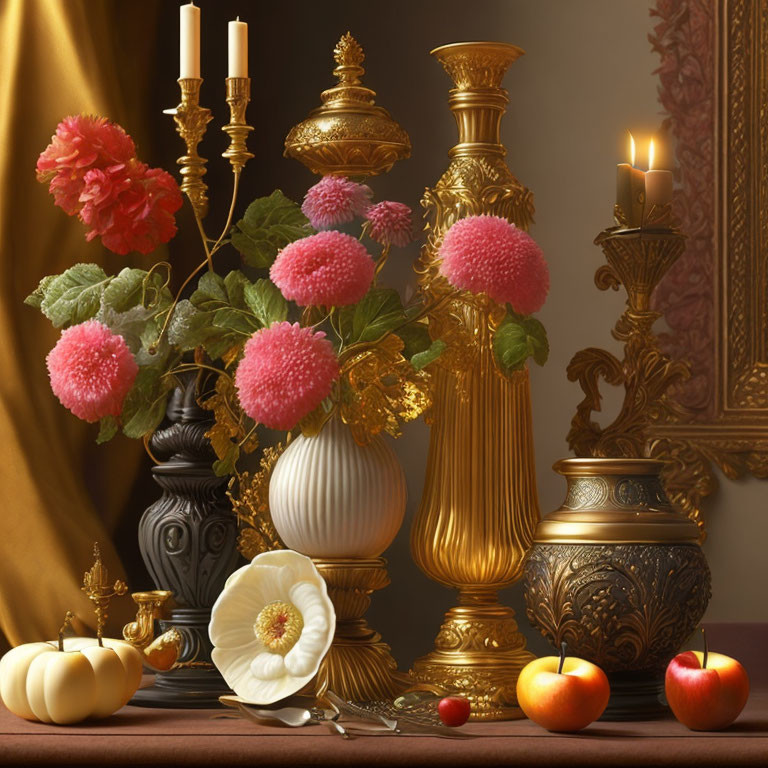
279	626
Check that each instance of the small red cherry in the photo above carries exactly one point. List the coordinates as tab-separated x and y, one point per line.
453	710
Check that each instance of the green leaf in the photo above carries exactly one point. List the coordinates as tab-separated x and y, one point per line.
517	339
75	295
211	292
134	287
226	466
235	284
235	321
35	299
107	430
415	338
144	406
379	311
269	224
423	359
266	302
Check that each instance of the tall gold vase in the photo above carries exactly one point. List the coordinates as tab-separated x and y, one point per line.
480	507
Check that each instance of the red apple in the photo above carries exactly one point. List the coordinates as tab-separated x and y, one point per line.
562	693
706	691
454	710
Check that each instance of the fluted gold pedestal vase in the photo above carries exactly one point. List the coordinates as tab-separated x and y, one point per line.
479	508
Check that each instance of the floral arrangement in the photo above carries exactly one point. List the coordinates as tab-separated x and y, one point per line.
302	331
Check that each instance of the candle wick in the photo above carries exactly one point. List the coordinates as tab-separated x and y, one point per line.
238	18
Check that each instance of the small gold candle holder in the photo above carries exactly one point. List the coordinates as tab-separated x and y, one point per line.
191	121
99	591
238	96
638	258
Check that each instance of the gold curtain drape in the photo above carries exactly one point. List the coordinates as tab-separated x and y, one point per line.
58	491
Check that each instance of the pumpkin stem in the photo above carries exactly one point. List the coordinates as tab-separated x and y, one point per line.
67	621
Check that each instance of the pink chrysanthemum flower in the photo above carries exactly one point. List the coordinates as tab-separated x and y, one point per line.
391	223
487	254
285	373
329	269
91	370
81	142
131	207
335	200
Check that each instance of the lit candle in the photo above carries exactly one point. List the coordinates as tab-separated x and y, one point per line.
658	184
630	189
189	41
238	49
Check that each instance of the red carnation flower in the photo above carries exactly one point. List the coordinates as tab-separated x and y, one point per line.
81	143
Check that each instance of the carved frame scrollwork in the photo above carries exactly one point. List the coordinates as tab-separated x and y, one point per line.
713	85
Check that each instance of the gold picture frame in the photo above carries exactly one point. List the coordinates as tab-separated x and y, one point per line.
713	85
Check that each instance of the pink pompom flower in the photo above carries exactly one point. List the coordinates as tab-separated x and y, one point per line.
285	373
130	207
391	223
81	142
335	200
91	370
329	269
487	254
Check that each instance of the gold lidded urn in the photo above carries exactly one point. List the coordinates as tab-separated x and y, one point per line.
479	507
617	573
348	135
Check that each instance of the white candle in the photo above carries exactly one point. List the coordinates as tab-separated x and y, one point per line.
238	49
189	41
630	189
658	184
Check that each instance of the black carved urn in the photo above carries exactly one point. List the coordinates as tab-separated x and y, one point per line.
617	574
188	539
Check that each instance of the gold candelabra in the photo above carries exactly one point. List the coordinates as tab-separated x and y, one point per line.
638	258
191	123
99	591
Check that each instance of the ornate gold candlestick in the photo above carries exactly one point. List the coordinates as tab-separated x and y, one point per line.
191	121
638	258
99	591
480	506
238	96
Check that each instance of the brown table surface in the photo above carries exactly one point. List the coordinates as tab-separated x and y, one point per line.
138	736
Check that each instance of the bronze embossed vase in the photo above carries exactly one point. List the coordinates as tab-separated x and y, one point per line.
618	574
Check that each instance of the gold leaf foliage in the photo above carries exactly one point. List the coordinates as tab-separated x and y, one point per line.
380	389
249	495
228	431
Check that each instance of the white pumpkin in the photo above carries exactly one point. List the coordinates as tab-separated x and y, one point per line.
330	497
40	682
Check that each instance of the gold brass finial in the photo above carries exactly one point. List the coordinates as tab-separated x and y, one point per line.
96	586
348	135
349	55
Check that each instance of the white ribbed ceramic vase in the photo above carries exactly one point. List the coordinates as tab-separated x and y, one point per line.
330	497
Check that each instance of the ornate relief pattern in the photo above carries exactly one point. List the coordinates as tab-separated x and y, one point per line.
621	606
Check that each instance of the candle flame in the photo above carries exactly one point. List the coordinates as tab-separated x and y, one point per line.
650	156
631	148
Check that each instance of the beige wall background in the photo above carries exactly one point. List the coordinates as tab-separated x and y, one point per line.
587	77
